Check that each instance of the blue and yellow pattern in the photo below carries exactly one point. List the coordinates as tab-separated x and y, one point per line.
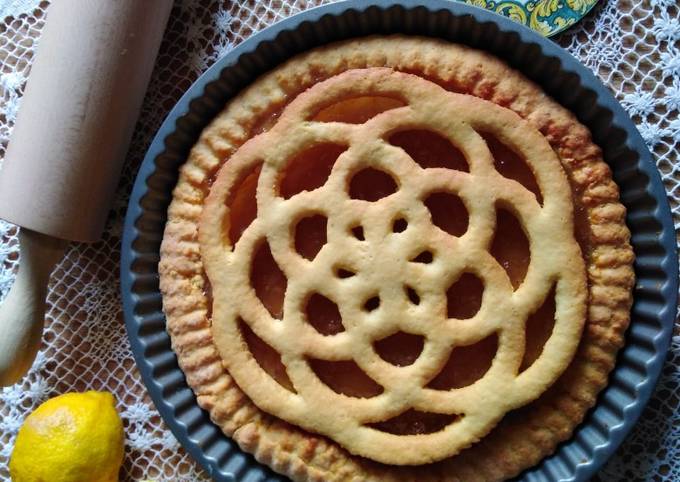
547	17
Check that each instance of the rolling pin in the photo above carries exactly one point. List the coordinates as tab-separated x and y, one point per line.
66	151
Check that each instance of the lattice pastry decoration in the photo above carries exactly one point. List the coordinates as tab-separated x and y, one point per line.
398	323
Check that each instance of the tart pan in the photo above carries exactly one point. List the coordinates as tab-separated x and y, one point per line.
655	295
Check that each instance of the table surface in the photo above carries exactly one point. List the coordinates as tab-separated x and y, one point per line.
634	47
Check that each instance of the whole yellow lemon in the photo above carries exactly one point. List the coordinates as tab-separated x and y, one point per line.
75	437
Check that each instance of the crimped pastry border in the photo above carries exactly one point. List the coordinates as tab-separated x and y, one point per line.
524	436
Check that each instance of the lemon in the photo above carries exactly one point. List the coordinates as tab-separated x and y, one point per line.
75	437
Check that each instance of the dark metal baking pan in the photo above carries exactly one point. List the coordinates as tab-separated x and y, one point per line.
565	79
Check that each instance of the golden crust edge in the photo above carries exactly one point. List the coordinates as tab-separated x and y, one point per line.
180	267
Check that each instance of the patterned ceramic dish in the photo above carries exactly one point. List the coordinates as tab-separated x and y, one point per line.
571	84
547	17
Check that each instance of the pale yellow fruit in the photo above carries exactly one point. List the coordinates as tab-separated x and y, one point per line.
75	437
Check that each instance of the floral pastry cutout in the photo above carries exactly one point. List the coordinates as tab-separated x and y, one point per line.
397	226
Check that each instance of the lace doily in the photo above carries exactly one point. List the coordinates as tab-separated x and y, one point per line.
634	47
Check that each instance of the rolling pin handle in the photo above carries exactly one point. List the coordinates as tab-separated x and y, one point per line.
22	314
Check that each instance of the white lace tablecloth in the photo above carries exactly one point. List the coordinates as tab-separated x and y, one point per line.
634	47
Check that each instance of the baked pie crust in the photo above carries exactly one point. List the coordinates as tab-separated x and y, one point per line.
348	101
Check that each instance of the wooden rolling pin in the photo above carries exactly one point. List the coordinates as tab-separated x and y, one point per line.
64	158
